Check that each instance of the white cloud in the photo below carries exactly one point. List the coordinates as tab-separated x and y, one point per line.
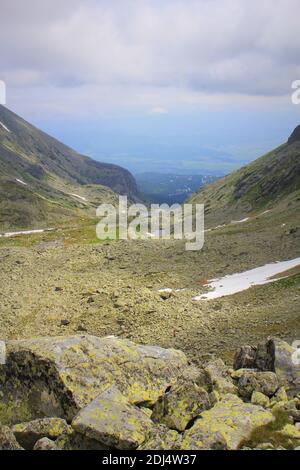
141	52
159	110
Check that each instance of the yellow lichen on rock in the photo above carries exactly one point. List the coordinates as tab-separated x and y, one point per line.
231	418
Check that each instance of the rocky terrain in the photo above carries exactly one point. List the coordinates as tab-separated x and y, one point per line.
86	392
66	281
79	318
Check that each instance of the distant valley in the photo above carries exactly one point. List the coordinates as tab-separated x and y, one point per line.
170	188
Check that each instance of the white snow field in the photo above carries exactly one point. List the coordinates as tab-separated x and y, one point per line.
233	283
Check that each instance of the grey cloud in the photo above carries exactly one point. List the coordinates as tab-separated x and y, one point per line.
209	46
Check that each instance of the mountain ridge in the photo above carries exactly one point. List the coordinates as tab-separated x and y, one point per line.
263	183
46	179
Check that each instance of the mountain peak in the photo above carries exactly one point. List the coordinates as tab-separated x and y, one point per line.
295	135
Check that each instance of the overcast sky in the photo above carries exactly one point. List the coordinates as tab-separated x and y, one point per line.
117	68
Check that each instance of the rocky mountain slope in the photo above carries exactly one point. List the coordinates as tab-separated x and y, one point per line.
85	392
42	180
255	187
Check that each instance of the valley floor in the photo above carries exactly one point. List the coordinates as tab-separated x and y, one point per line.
58	283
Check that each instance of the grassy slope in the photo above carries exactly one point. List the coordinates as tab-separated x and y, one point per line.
53	174
254	188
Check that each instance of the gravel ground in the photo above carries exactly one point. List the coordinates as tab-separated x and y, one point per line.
50	288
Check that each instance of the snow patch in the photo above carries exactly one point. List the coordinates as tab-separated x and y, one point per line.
264	212
21	182
240	221
4	127
79	197
237	221
238	282
167	289
25	232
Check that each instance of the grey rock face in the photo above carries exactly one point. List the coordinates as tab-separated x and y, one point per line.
59	376
227	425
85	393
245	357
111	420
276	356
180	405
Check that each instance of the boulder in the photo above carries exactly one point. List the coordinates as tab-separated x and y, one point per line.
220	377
264	359
290	408
277	356
245	358
197	375
75	441
180	405
166	294
255	357
202	439
27	434
287	366
281	394
58	376
162	438
8	440
45	444
229	423
280	434
289	435
252	381
260	399
113	421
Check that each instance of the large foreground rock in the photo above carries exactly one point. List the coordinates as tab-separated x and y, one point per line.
59	376
227	425
111	420
84	392
273	355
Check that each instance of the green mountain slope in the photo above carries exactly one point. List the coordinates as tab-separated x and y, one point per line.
269	181
42	180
